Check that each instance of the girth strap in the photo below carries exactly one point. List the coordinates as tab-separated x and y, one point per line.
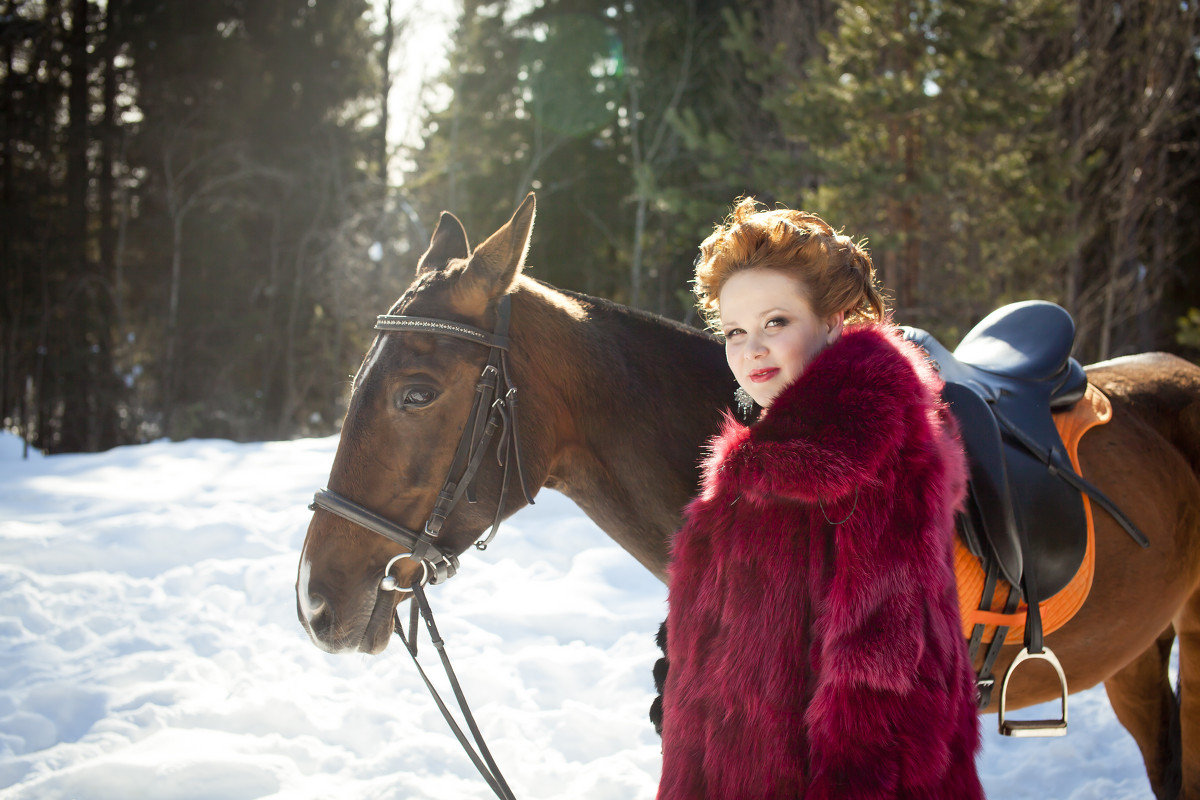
986	681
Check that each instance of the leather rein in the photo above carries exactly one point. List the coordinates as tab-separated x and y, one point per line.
494	409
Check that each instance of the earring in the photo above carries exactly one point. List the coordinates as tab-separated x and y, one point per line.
745	403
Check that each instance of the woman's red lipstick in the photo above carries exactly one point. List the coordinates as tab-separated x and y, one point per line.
763	375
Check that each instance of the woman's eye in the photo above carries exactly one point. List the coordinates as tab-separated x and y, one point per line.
415	397
776	322
732	332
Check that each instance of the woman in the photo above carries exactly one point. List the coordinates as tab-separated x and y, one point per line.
813	634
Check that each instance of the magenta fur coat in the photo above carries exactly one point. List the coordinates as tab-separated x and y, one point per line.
813	635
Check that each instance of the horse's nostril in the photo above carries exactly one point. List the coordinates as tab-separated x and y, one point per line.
316	605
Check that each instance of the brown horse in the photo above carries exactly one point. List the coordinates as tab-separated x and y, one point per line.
616	405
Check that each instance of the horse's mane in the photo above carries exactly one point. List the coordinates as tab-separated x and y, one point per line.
628	313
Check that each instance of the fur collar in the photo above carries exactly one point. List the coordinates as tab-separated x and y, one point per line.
829	431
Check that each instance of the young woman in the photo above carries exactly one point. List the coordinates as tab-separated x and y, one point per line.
813	634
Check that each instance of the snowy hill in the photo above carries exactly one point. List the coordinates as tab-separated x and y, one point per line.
149	648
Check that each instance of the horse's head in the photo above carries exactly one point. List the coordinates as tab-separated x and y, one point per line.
399	446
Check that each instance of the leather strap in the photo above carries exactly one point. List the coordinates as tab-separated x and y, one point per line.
1060	467
986	681
483	761
985	604
389	322
421	545
494	408
1033	601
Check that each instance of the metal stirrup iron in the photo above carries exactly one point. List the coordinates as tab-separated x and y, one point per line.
1033	727
1034	650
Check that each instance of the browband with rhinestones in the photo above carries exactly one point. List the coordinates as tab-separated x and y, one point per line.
388	322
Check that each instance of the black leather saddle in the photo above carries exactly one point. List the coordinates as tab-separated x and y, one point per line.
1002	382
1025	519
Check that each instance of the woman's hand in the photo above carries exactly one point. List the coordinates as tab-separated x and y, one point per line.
660	679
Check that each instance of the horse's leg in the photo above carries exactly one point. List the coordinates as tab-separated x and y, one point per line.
1141	696
1188	628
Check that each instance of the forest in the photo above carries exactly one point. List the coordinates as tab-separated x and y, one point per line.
203	209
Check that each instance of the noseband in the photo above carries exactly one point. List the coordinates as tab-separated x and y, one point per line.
494	408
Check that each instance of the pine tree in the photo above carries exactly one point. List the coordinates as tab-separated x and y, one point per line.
253	162
928	128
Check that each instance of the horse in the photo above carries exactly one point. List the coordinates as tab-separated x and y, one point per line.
616	407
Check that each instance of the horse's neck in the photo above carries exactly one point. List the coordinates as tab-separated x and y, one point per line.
633	399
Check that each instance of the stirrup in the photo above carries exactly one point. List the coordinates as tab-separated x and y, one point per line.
1033	727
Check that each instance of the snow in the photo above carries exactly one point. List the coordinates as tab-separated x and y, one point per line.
149	648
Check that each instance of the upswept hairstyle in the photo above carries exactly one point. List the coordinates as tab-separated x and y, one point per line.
836	272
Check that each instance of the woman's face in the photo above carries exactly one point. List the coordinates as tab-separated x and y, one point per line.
771	332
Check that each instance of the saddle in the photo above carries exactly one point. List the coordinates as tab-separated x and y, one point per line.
1015	365
1025	518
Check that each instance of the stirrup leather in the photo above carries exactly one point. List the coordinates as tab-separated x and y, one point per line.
1033	727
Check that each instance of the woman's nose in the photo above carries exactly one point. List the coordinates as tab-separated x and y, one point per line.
755	348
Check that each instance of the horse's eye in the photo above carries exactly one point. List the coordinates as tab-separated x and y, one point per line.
415	397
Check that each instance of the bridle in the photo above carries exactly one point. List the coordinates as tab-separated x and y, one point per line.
494	408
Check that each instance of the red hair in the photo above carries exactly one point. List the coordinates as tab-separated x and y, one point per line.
836	272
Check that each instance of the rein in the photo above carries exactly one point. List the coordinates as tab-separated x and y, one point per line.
482	760
494	409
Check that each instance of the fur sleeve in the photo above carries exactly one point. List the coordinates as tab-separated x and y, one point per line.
888	633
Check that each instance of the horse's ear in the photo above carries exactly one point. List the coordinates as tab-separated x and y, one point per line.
449	241
496	262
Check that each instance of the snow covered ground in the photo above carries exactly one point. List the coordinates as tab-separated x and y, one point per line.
149	648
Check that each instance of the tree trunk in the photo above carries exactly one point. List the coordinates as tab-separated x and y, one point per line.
644	154
77	138
168	380
910	215
77	366
385	68
635	259
11	290
108	135
293	397
893	264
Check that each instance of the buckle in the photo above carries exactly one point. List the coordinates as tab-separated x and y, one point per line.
1033	727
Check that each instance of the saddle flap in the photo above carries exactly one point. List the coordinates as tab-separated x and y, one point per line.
989	490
